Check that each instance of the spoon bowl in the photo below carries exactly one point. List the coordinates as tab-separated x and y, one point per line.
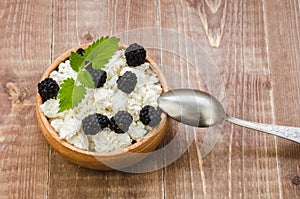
192	107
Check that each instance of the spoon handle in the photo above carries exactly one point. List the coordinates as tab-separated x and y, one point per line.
287	132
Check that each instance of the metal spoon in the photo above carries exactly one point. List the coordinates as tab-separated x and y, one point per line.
200	109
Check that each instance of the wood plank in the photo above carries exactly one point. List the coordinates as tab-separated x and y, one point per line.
258	159
241	155
25	46
78	22
185	178
284	50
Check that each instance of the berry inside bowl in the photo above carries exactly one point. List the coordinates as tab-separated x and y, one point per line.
135	131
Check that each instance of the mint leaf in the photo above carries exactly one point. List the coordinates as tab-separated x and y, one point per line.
85	78
97	54
77	95
101	51
70	95
76	61
93	45
65	93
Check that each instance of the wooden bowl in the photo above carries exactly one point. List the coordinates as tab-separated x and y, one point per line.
96	160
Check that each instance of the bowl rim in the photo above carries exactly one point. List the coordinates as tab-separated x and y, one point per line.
52	132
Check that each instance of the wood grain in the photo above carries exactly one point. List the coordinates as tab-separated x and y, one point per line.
255	45
243	59
24	152
213	17
284	68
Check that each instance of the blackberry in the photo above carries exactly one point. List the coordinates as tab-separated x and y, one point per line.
94	123
48	89
103	120
127	82
150	116
135	54
120	122
80	51
133	141
99	76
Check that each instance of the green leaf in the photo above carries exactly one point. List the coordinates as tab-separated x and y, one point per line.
76	61
70	95
93	45
85	78
77	95
101	51
98	53
65	94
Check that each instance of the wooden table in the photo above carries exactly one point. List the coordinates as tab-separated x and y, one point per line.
255	46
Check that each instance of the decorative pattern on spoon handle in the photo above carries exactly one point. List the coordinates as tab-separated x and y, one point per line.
287	132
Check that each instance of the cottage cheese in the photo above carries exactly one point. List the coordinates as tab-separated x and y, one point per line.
107	100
